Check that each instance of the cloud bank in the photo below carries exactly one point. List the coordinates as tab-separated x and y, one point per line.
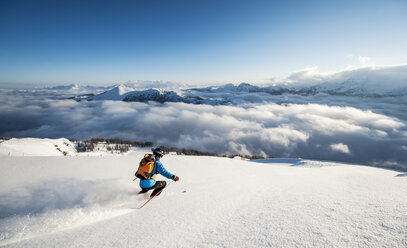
344	120
306	130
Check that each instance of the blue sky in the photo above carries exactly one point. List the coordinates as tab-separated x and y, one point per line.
102	42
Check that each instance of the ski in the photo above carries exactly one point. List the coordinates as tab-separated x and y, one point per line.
151	198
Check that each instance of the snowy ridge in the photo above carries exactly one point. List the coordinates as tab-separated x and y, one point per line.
297	162
92	202
384	81
347	88
153	95
117	93
244	93
123	93
37	147
376	81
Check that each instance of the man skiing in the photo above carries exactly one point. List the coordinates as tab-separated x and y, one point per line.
149	167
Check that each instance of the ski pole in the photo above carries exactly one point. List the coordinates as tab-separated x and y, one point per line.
154	195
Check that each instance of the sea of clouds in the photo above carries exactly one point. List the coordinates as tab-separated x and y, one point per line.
364	130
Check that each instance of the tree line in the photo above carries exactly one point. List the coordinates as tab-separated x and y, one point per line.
122	146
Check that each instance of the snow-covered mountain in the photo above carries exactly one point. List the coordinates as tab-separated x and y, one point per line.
218	202
154	95
361	88
247	93
124	93
37	147
366	81
117	93
385	81
347	88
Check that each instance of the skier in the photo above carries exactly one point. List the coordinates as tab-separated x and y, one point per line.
149	167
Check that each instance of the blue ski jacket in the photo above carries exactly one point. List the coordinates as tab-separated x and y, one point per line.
157	169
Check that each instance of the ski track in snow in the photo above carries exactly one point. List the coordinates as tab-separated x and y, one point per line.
92	202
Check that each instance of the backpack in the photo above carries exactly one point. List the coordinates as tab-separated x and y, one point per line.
145	168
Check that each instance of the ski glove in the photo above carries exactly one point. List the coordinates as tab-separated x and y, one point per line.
175	178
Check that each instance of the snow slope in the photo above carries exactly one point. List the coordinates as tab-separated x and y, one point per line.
92	202
37	147
127	94
117	93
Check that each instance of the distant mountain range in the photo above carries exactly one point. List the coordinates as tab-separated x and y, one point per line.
232	94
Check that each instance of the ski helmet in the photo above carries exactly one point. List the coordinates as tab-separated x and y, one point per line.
158	152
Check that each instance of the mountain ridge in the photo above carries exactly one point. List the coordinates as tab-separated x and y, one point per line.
221	95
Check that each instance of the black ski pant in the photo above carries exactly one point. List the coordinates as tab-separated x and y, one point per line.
158	187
